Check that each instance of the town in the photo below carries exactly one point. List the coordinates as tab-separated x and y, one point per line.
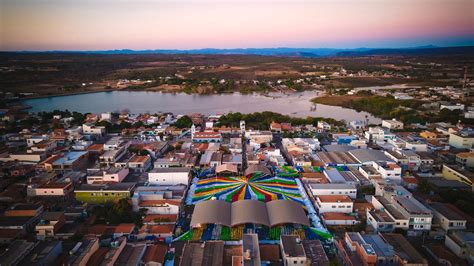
118	188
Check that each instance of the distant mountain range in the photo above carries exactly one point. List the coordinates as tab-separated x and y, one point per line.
296	52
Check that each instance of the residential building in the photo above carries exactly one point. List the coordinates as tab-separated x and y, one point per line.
392	124
49	224
91	129
24	209
169	176
53	190
465	159
461	243
69	161
103	193
462	139
139	163
333	189
334	203
112	174
380	221
292	251
378	134
447	216
406	253
452	172
365	249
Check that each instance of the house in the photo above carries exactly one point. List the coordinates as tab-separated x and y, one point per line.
85	251
448	216
406	253
91	129
392	124
103	193
24	209
112	174
323	125
333	189
407	212
275	127
452	107
110	157
380	221
149	231
44	253
155	255
206	136
378	134
452	172
338	219
51	190
49	225
292	251
357	124
370	248
169	176
389	171
465	159
334	203
462	140
227	169
257	138
461	243
139	163
69	161
158	199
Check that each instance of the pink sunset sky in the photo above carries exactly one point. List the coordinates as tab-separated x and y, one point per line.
180	24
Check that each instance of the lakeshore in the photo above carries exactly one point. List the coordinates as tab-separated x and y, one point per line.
293	104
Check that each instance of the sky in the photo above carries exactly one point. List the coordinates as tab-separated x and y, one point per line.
193	24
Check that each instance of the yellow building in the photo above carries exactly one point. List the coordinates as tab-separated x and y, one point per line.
451	172
462	140
428	135
465	159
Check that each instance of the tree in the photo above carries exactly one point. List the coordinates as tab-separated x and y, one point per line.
184	122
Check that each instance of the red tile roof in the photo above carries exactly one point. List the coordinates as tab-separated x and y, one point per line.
334	198
155	253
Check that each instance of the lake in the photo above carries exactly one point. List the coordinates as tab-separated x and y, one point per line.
294	104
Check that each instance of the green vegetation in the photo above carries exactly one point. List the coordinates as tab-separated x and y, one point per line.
464	201
184	122
120	212
408	111
262	120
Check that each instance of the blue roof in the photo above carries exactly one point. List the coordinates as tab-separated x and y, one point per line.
69	157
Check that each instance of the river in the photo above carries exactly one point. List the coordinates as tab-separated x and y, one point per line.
294	104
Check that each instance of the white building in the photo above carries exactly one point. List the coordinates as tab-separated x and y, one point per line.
357	124
392	124
389	170
448	217
462	244
333	189
92	129
169	176
323	125
112	174
158	199
334	203
292	251
378	134
452	107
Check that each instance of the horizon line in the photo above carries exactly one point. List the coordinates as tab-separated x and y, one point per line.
428	46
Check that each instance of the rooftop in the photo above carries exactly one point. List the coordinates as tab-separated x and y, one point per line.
334	198
292	246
